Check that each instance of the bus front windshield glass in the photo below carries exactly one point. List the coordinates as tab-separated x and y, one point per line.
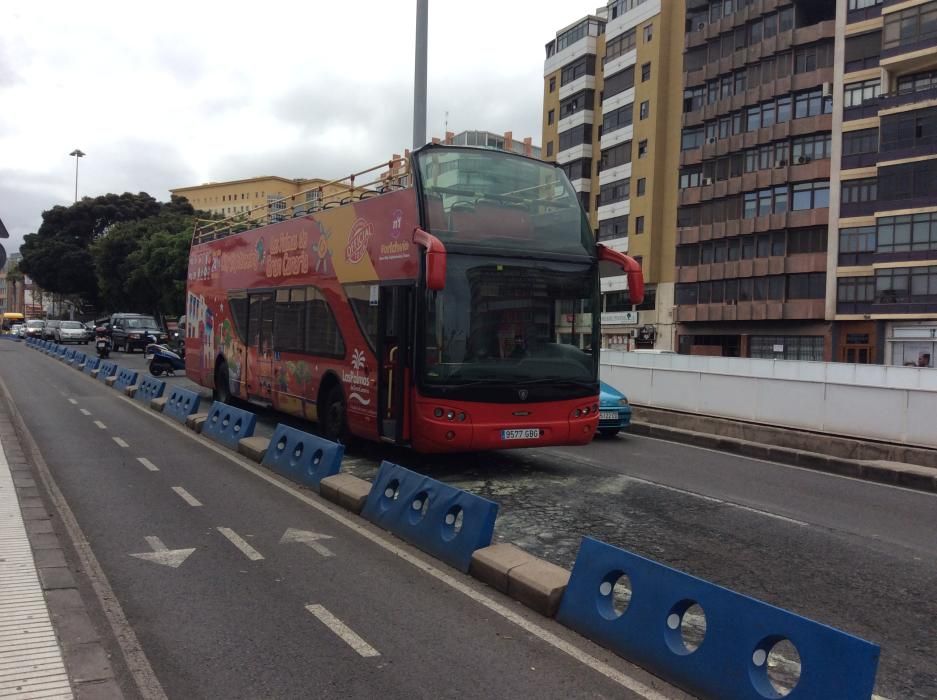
493	199
505	320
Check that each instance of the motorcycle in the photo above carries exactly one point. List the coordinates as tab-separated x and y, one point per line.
164	361
102	342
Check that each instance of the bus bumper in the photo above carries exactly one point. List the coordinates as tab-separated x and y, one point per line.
439	425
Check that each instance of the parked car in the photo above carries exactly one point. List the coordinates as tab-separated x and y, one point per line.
71	332
614	410
132	331
48	331
19	330
34	328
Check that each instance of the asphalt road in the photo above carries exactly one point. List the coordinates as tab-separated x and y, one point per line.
250	613
856	555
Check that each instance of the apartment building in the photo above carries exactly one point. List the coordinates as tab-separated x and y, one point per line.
611	119
754	210
883	243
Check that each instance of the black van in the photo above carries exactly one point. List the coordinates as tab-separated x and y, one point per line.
132	331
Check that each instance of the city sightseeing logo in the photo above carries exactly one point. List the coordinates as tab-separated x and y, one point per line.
358	239
358	379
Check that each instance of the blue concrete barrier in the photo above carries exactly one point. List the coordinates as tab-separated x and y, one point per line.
92	363
303	457
106	369
440	519
60	351
731	660
181	404
78	358
125	378
68	354
227	424
149	388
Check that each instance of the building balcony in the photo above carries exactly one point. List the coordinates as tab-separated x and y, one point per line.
848	210
900	306
908	52
862	14
859	160
867	109
898	99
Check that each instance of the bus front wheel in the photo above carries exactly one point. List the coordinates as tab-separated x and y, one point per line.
333	416
222	391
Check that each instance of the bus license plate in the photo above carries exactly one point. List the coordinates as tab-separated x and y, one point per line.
608	415
521	434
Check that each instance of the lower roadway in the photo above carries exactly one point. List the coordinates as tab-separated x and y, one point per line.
856	555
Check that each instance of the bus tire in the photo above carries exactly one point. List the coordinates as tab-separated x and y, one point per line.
333	423
222	391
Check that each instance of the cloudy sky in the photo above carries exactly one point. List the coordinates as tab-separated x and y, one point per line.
171	94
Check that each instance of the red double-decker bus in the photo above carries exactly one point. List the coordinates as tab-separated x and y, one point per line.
450	305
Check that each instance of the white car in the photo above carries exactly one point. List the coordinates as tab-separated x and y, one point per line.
71	332
19	330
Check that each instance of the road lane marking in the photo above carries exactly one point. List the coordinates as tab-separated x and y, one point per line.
85	411
121	442
100	425
161	554
343	631
73	402
310	539
558	643
148	464
186	496
238	542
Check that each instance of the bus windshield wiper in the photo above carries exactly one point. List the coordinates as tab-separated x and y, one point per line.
555	380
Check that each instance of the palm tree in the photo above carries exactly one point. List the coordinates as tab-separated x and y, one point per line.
14	279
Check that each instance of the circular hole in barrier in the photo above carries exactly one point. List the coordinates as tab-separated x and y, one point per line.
237	426
776	667
281	444
214	418
685	627
298	450
418	507
452	523
392	492
317	457
225	422
614	594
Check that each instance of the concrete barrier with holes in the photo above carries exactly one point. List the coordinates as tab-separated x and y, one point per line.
106	370
148	389
181	404
444	521
125	378
640	610
227	425
302	457
92	363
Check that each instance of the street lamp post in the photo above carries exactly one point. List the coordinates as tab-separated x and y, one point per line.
419	75
78	153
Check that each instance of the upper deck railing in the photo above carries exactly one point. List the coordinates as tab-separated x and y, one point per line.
387	176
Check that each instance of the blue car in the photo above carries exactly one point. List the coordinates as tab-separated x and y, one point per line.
614	410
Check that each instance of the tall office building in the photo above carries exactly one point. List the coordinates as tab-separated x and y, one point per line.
883	240
611	119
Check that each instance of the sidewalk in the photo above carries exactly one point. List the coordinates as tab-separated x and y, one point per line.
49	647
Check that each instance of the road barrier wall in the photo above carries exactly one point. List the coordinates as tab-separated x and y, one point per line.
303	457
148	389
824	397
181	404
227	424
106	369
732	659
92	363
444	521
125	378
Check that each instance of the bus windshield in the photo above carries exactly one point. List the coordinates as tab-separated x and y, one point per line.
508	320
482	197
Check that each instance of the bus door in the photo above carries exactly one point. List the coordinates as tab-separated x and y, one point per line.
395	309
259	364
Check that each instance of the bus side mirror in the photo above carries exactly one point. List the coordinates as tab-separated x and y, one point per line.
435	259
630	267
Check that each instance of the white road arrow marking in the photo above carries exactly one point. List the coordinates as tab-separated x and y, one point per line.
310	539
161	554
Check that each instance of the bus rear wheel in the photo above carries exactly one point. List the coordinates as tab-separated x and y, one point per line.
222	391
332	422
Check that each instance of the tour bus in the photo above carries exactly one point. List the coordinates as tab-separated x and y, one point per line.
449	304
9	320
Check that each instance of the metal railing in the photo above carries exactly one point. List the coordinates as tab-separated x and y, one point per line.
387	176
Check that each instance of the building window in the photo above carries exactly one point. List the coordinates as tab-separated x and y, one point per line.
856	94
618	118
618	83
645	72
905	284
550	116
909	129
859	142
807	148
577	69
639	225
642	186
576	136
620	45
912	232
648	32
808	348
916	180
549	148
861	190
616	227
615	156
617	191
692	138
850	290
810	285
642	148
552	84
911	26
811	195
645	109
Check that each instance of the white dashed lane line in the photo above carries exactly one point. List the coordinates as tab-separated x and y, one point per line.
85	411
343	631
239	542
73	402
100	425
148	464
121	442
187	497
